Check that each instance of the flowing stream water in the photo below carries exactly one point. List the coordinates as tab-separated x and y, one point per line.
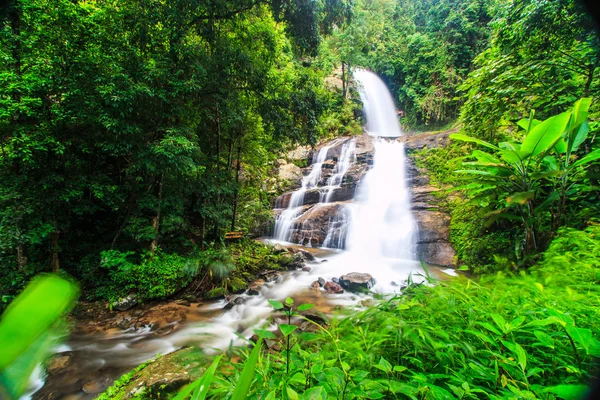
375	233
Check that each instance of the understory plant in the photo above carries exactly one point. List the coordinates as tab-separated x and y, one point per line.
534	180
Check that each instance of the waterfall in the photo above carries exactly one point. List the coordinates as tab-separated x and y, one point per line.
378	105
285	224
382	225
347	158
378	223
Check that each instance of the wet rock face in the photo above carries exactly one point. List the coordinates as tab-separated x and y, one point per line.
357	282
311	228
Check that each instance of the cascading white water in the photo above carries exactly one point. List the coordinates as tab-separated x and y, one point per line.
284	224
382	225
347	158
378	105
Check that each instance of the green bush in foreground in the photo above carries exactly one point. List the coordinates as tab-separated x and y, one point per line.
527	336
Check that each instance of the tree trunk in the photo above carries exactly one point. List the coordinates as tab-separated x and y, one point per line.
344	86
55	262
156	219
21	258
237	181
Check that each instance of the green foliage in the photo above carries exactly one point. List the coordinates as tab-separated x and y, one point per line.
29	329
157	276
532	180
133	126
499	337
542	56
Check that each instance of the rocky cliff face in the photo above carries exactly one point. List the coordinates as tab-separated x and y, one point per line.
315	218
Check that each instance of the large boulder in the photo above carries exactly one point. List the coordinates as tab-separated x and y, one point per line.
357	282
290	172
299	153
437	253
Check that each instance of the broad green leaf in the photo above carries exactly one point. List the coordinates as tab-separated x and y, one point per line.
579	113
465	138
579	136
287	329
525	123
289	301
520	197
544	338
514	156
521	356
500	322
515	323
385	364
593	156
567	392
243	385
276	304
200	386
315	393
32	314
304	307
291	393
399	368
546	134
583	336
265	333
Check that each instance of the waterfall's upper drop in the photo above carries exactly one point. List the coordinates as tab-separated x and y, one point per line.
378	104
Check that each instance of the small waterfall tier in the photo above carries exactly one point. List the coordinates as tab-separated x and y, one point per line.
309	215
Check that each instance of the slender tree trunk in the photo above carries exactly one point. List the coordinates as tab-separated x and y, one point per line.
21	258
156	220
344	85
237	181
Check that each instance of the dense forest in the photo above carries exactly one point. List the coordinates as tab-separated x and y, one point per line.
135	134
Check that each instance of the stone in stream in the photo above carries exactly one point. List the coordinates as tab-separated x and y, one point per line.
307	255
306	269
234	302
321	281
125	303
269	275
335	280
356	282
331	287
315	285
253	289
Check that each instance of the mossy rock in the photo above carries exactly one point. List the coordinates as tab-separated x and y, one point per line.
237	285
159	379
216	293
